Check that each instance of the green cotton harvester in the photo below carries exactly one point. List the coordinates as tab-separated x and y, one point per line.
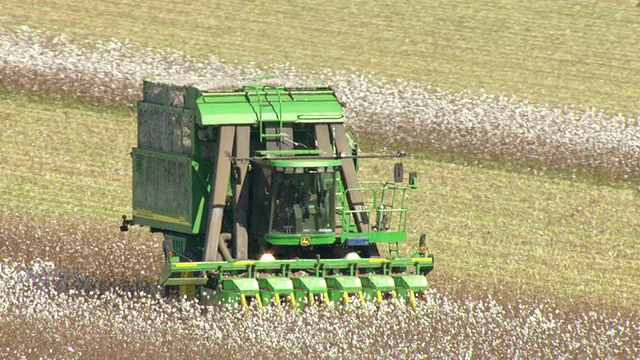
254	188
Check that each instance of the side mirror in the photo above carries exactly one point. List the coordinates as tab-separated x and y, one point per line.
423	240
413	179
398	172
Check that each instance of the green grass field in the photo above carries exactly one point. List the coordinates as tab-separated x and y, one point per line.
506	232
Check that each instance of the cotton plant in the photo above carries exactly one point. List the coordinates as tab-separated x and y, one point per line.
44	316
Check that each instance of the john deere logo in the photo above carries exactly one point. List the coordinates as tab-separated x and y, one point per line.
305	241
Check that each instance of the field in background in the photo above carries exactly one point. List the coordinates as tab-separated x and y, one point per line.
558	52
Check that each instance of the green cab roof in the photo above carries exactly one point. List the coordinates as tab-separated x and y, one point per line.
253	104
299	163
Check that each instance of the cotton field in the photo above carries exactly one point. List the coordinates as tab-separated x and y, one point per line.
50	314
66	295
474	125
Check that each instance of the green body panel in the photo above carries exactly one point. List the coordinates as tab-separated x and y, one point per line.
197	281
272	285
339	285
300	163
406	283
310	289
377	236
288	152
268	104
378	282
310	284
300	239
247	286
350	284
374	284
169	190
276	284
233	289
411	282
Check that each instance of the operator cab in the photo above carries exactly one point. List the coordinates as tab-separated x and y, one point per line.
291	200
302	203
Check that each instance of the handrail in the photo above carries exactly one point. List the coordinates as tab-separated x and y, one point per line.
378	205
278	111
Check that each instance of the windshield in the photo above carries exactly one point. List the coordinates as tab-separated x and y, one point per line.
303	203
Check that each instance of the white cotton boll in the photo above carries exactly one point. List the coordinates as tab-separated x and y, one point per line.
485	128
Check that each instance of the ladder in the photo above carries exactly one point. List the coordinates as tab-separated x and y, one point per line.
263	102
